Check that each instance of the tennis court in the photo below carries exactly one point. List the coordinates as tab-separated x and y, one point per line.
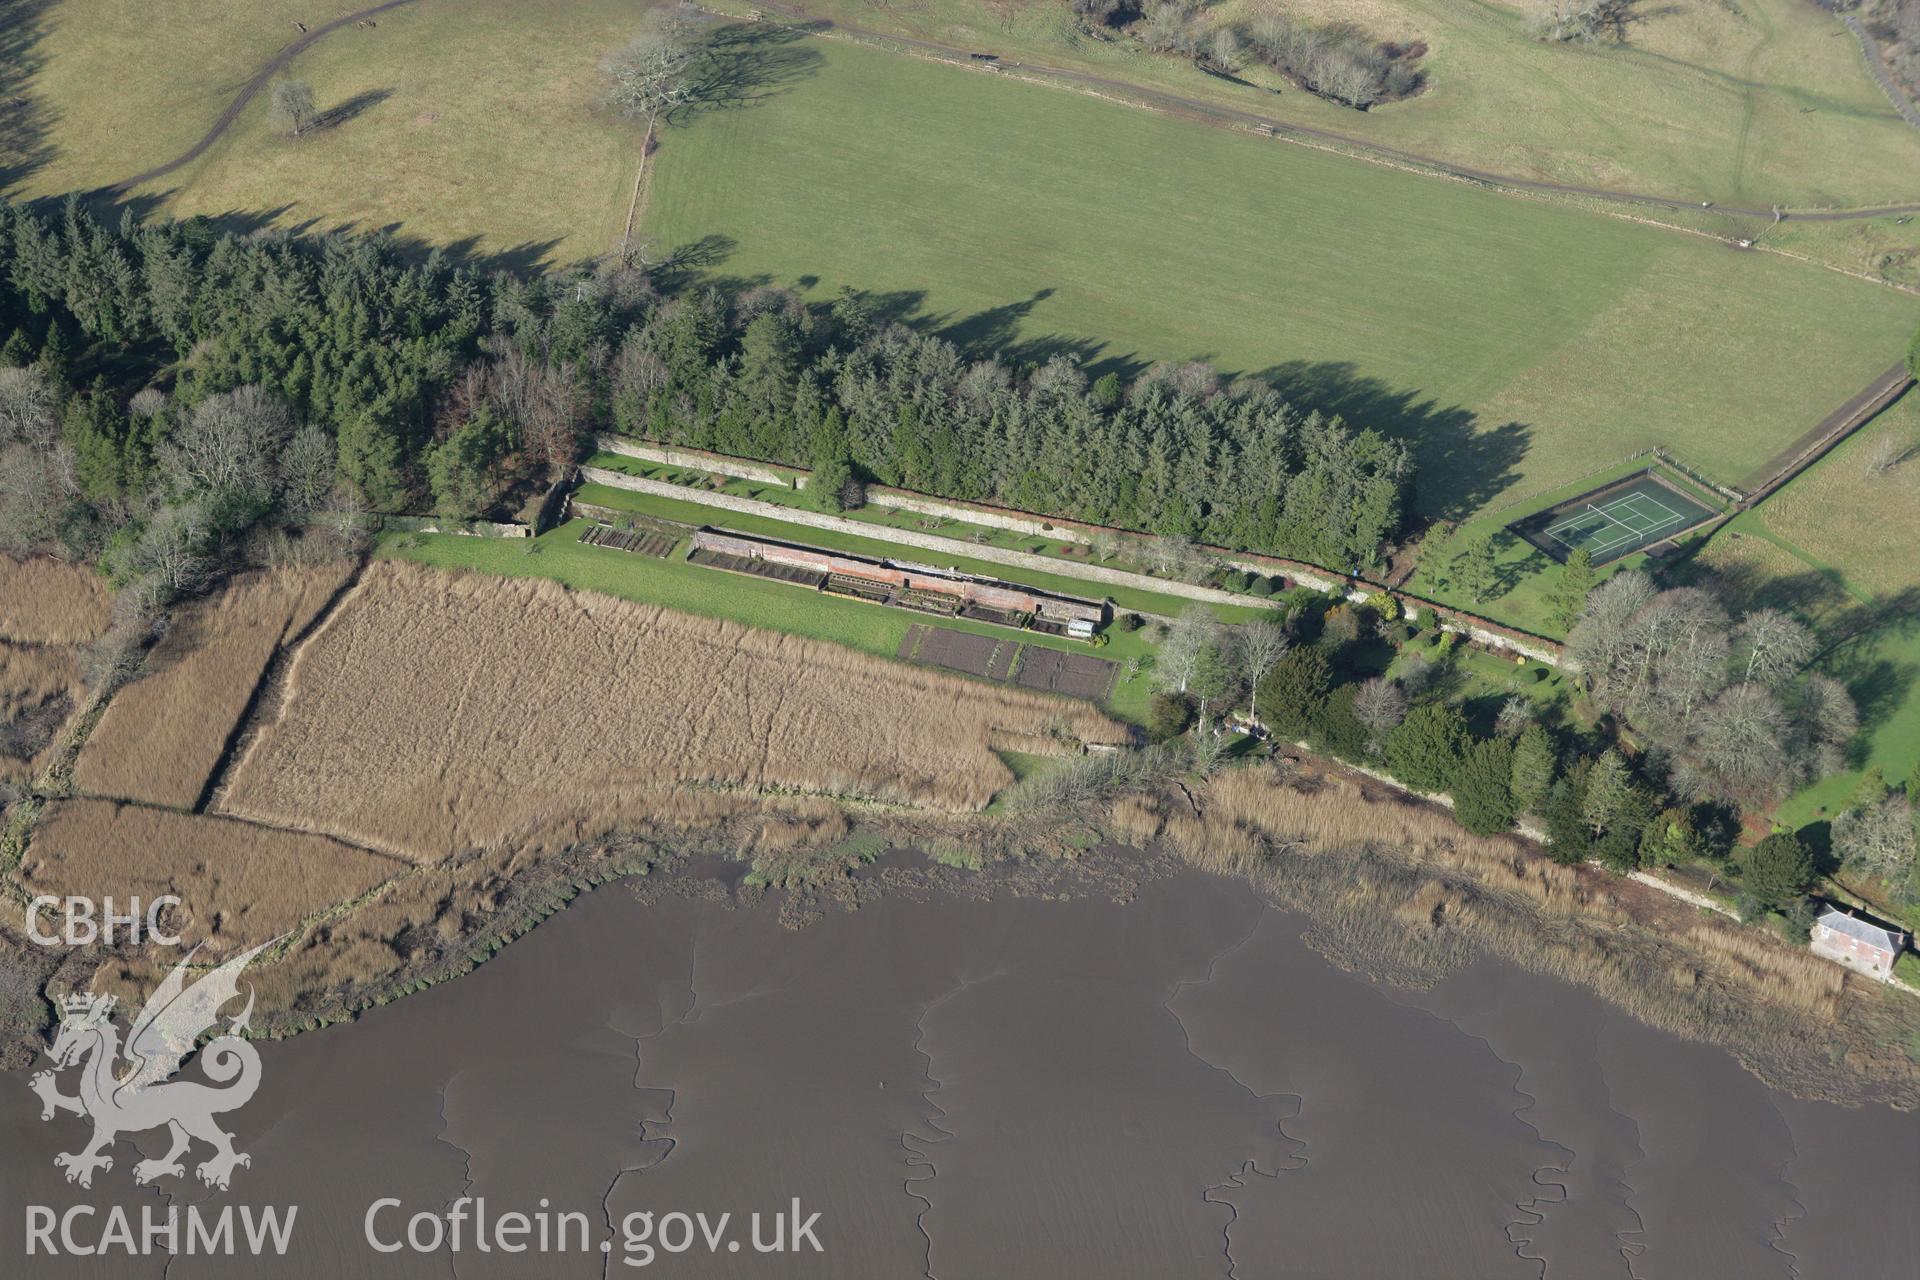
1614	521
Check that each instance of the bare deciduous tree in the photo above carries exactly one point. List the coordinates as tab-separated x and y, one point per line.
1882	456
231	444
171	555
1258	646
1380	704
292	107
307	470
1598	640
653	73
1771	647
1516	714
1877	839
1189	642
1736	749
36	466
27	409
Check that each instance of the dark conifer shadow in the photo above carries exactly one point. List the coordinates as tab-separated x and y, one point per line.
1462	466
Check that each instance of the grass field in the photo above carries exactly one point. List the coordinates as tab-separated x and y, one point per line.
1758	103
1838	547
459	122
1515	343
401	728
1751	103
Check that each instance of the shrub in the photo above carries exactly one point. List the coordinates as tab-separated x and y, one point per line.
1334	729
1426	619
1424	752
1290	693
1778	870
1130	622
1168	716
1262	586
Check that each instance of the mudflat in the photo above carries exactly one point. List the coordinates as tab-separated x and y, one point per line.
1171	1086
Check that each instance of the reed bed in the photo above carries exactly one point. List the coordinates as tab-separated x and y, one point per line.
39	686
46	601
238	884
163	736
432	713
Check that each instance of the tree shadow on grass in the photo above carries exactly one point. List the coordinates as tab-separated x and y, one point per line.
108	205
352	109
746	63
26	122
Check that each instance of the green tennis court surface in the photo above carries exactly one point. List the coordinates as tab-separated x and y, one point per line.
1614	521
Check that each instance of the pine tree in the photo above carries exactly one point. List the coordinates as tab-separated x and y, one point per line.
1424	752
17	351
1605	791
1534	765
1483	788
1569	596
1568	839
371	461
1471	570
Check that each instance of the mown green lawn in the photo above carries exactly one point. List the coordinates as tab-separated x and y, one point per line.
1516	344
674	583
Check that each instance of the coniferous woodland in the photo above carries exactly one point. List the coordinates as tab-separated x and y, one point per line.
167	385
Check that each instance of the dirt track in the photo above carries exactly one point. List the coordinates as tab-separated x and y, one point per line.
247	91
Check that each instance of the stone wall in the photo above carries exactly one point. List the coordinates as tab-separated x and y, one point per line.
697	460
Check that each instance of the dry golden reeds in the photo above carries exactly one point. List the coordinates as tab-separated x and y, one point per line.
433	713
238	883
46	601
163	735
39	686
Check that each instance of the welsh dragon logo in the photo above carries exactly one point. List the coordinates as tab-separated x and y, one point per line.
132	1091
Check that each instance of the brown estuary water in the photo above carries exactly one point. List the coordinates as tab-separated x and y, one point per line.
1174	1086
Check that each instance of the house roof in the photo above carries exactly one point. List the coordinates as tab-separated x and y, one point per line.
1864	930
